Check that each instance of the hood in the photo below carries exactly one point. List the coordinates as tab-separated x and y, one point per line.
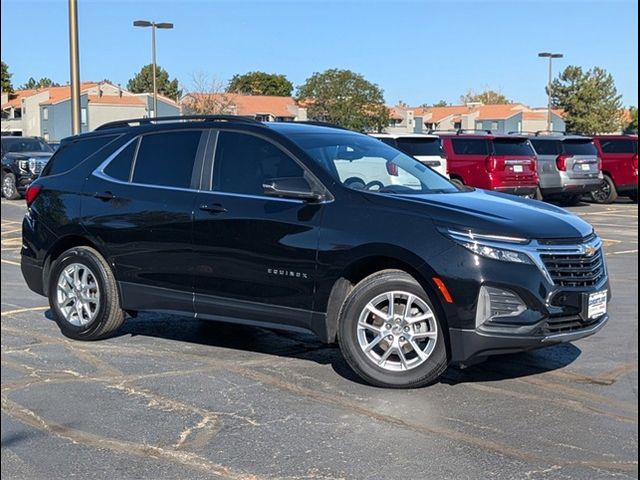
493	213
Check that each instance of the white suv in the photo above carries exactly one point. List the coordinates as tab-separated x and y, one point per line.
425	148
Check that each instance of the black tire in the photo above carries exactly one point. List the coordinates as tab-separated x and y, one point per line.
9	188
634	197
368	289
457	182
606	193
109	315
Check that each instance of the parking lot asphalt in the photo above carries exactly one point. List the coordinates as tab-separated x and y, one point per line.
171	397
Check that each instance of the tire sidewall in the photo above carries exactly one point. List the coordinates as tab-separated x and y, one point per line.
422	375
15	195
86	258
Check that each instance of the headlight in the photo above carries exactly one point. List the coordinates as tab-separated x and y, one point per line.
490	246
23	165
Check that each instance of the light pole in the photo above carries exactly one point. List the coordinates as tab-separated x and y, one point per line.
550	56
153	25
74	64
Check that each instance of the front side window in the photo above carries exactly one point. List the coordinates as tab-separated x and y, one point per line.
470	146
364	163
166	159
245	162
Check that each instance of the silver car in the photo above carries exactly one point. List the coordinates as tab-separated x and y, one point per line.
568	166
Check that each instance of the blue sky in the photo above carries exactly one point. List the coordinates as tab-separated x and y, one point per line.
417	51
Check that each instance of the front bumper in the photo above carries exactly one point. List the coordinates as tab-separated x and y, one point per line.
23	182
468	346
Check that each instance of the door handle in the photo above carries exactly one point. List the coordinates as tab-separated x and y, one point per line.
106	196
214	208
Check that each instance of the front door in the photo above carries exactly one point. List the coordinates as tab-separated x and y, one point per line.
256	255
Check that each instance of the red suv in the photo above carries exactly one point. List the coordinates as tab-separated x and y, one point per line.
505	163
619	154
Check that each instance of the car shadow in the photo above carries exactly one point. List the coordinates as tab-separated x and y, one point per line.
305	346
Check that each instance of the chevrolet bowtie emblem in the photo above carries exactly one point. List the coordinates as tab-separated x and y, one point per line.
589	251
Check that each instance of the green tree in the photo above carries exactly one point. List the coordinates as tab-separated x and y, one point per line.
632	126
488	97
441	103
589	99
260	83
344	98
143	82
44	82
6	79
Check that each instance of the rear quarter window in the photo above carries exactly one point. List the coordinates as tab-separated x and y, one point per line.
618	146
75	152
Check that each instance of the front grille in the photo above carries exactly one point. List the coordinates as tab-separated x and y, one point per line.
575	269
36	166
567	324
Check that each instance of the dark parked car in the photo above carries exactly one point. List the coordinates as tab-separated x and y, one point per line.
23	158
233	220
619	154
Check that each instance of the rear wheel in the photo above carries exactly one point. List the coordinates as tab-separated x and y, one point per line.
83	295
634	197
606	193
9	188
390	333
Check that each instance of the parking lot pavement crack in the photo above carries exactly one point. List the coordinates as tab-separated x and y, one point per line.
188	459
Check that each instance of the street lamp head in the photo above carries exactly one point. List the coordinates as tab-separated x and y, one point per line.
544	54
142	23
557	55
164	25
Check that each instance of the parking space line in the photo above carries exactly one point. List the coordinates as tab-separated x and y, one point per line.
11	231
10	262
23	310
609	214
623	252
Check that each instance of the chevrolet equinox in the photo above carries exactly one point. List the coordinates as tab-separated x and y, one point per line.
308	228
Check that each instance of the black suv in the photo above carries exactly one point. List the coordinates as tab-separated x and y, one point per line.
23	158
309	228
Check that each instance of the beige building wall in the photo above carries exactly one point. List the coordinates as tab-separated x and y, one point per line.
31	114
100	114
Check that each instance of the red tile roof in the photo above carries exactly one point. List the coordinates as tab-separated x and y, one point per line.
15	99
115	100
499	112
60	94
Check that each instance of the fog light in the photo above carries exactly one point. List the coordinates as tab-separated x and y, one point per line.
496	303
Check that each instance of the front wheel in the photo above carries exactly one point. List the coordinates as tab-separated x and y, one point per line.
9	188
606	193
458	183
390	333
83	295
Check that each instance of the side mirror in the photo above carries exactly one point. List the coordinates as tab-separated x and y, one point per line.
297	188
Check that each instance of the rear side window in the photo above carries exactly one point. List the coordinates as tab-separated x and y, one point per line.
579	147
244	162
547	147
469	146
120	167
72	153
166	159
618	146
420	146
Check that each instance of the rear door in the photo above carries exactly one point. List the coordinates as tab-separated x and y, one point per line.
469	161
138	207
256	254
617	159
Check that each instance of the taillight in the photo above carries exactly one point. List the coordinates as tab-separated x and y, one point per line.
561	162
392	169
31	194
490	164
534	164
599	164
634	161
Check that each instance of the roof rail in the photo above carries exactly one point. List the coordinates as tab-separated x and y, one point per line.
521	132
322	124
177	118
550	132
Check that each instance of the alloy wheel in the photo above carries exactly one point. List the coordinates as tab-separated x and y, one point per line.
8	187
78	294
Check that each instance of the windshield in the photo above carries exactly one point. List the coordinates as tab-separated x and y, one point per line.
579	147
420	146
364	163
25	145
509	146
